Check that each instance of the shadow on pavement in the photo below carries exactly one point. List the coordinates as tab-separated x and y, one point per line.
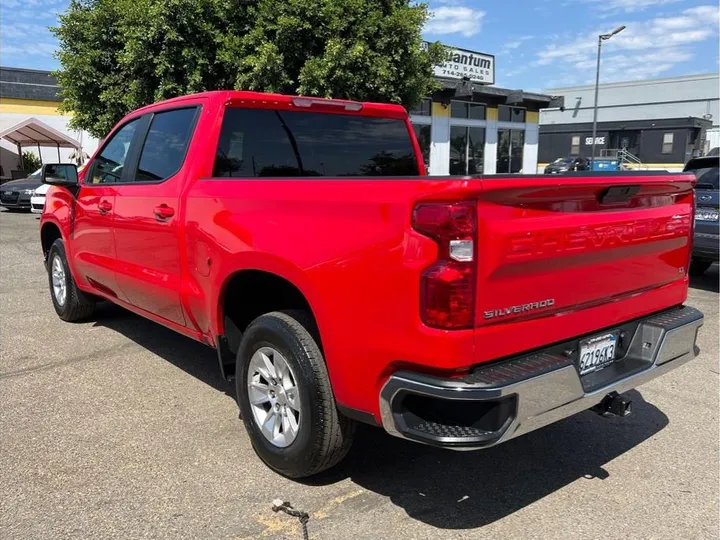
465	490
445	489
187	354
709	281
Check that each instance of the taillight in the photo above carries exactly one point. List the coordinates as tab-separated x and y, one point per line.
447	287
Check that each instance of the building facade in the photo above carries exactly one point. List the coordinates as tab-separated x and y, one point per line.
662	122
30	93
475	129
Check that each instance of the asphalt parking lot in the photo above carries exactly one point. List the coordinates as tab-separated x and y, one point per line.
119	428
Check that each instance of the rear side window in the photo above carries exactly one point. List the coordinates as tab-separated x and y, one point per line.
273	143
165	145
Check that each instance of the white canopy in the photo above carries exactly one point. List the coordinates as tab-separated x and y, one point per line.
32	131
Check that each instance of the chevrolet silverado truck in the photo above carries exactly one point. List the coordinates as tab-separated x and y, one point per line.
301	238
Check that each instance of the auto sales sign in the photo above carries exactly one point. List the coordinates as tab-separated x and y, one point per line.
461	63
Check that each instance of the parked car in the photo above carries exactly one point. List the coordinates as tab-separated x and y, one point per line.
16	194
565	164
37	201
301	239
706	239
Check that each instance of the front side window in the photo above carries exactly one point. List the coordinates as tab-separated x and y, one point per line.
165	145
278	143
109	164
667	144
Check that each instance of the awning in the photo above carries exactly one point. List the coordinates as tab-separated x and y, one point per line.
32	131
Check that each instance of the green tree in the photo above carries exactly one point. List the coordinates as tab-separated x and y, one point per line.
31	162
118	55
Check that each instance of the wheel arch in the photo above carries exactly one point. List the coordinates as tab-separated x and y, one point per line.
247	293
49	232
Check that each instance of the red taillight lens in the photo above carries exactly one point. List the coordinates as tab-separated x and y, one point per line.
447	288
443	221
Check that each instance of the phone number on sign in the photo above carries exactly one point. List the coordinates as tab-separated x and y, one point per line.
460	74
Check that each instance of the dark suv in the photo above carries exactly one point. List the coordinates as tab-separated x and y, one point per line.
561	165
705	240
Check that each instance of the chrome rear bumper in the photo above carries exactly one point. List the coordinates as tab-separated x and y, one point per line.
503	400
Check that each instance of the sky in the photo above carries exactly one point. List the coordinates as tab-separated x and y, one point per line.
538	44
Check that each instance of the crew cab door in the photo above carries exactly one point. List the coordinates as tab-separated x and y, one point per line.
93	245
147	235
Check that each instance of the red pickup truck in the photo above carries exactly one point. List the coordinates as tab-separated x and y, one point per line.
301	239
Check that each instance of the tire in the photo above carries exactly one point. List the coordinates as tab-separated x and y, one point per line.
74	305
323	436
699	266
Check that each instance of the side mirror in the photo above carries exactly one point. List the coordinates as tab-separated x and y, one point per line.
60	174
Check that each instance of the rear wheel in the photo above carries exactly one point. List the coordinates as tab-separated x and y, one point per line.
70	303
285	397
699	266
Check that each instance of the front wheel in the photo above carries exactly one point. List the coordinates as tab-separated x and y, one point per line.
70	303
285	397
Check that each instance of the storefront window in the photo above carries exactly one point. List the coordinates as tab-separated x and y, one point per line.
467	145
423	108
422	132
511	114
465	109
510	150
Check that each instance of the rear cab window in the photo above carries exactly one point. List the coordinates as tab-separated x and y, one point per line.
287	143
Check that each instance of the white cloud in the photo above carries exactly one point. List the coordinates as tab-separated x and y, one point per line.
24	30
644	49
628	6
515	43
31	3
34	49
455	20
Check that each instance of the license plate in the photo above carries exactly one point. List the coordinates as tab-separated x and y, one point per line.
597	353
706	215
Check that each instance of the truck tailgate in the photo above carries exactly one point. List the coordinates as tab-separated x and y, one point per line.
562	245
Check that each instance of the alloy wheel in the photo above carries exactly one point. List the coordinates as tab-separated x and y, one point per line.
274	397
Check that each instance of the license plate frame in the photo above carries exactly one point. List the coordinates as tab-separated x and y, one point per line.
597	353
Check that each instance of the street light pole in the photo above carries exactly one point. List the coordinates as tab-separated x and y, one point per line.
601	38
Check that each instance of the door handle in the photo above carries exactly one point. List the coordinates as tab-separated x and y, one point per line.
104	207
164	212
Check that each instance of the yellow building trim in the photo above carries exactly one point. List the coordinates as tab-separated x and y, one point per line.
438	109
532	117
492	113
29	106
